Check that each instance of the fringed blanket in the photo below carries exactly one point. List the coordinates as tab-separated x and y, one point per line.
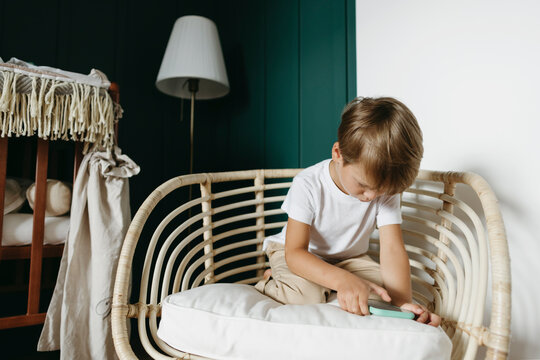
55	104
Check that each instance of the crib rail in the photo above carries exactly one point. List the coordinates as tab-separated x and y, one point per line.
217	236
36	251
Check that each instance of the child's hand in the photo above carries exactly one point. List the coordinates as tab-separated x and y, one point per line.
353	294
423	314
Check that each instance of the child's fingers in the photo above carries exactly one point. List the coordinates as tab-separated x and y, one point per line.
349	306
423	317
342	303
423	314
435	320
359	306
379	290
364	309
354	307
417	309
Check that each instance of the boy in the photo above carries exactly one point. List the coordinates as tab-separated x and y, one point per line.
334	206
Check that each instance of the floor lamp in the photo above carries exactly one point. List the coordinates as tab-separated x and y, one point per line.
193	65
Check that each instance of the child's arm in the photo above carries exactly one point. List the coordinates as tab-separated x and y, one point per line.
352	291
395	269
396	273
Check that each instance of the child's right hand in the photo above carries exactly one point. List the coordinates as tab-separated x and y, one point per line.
353	293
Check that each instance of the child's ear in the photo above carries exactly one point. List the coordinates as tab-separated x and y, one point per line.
336	153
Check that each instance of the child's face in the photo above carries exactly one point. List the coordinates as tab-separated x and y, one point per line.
352	178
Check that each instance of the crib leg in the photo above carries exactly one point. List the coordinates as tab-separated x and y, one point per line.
38	227
3	169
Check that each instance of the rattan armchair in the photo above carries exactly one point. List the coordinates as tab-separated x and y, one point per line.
452	241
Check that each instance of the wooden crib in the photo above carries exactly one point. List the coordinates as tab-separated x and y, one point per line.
37	251
452	227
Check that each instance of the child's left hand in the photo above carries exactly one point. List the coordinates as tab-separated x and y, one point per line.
423	314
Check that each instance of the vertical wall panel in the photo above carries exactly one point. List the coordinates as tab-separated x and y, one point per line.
282	86
241	144
86	42
150	116
29	31
247	127
351	49
323	75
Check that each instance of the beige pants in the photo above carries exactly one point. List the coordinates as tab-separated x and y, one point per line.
288	288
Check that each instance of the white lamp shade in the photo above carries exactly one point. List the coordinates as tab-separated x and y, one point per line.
193	52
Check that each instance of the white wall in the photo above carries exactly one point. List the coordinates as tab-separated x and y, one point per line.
470	71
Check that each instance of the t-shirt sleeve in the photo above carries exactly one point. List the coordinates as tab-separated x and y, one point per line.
298	202
389	211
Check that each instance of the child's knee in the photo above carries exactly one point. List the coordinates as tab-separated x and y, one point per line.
292	293
305	295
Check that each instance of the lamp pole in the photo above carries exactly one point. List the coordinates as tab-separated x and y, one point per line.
193	85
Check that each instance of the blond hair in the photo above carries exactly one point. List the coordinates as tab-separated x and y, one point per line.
383	135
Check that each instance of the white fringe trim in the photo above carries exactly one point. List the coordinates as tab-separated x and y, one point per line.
86	113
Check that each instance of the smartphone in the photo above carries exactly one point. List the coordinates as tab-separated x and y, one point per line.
381	308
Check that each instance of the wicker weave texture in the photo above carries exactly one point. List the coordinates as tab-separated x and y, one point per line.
452	242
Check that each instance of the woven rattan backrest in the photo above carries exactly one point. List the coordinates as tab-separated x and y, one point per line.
217	237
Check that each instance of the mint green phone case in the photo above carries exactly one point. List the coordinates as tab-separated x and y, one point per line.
381	308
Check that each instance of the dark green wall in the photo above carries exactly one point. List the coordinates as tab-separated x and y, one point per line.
291	68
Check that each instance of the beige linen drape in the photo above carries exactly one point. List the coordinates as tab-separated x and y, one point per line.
78	318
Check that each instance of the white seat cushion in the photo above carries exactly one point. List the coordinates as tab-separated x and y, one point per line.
231	321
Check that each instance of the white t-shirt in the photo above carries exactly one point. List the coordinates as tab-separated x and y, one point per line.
340	224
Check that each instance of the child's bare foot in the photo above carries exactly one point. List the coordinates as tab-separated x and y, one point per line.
267	274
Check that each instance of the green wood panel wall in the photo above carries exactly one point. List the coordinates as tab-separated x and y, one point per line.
323	76
29	22
351	49
282	84
291	68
